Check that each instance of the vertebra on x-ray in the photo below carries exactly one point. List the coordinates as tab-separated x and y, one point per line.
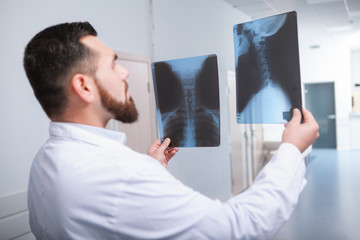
187	94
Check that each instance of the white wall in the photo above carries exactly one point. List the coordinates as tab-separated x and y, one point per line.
183	29
121	24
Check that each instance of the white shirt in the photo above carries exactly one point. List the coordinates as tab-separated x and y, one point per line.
86	184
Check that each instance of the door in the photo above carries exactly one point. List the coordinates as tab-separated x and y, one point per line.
320	101
141	133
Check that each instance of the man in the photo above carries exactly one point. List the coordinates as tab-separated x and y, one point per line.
86	184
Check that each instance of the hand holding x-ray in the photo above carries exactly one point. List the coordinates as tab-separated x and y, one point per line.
160	151
302	135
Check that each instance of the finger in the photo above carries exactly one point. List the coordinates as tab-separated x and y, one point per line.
296	117
170	154
164	145
171	150
308	117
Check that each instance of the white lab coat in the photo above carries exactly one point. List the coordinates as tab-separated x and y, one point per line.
86	184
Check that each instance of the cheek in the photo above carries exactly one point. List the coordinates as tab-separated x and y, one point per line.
119	91
114	85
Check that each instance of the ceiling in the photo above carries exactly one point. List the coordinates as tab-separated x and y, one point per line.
319	21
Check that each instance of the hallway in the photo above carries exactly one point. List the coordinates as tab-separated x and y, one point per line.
329	207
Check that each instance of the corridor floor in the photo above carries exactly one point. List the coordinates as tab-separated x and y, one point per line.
329	206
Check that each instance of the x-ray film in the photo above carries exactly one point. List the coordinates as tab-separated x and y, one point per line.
267	69
187	98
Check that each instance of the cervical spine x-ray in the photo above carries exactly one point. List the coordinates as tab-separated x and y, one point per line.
267	69
187	96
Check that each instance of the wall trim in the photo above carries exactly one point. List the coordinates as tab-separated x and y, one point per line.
14	216
13	203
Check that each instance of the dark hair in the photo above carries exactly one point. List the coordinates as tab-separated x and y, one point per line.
51	59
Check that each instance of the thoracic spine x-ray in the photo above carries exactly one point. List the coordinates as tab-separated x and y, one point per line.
187	94
267	69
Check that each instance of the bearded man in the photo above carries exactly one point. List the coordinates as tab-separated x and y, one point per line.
85	183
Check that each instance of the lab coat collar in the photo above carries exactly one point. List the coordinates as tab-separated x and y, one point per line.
86	133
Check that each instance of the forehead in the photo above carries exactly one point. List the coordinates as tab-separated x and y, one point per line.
98	46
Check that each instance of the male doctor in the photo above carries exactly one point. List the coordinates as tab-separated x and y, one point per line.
85	183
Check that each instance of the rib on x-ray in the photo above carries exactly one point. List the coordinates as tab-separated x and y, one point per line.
267	69
187	96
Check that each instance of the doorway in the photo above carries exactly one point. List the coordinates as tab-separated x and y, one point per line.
320	101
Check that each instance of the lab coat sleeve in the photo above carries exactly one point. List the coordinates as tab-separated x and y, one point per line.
260	211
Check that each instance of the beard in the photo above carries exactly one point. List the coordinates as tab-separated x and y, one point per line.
125	112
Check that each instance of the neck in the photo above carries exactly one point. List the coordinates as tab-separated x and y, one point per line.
85	117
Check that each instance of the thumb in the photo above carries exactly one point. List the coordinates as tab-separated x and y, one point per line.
296	117
164	145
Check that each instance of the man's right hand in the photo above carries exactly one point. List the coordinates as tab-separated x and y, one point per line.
161	152
302	135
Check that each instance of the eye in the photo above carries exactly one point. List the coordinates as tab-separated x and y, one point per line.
114	61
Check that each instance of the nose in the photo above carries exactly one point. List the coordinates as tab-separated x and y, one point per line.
124	72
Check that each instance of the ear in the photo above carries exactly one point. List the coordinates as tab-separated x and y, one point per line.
84	87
